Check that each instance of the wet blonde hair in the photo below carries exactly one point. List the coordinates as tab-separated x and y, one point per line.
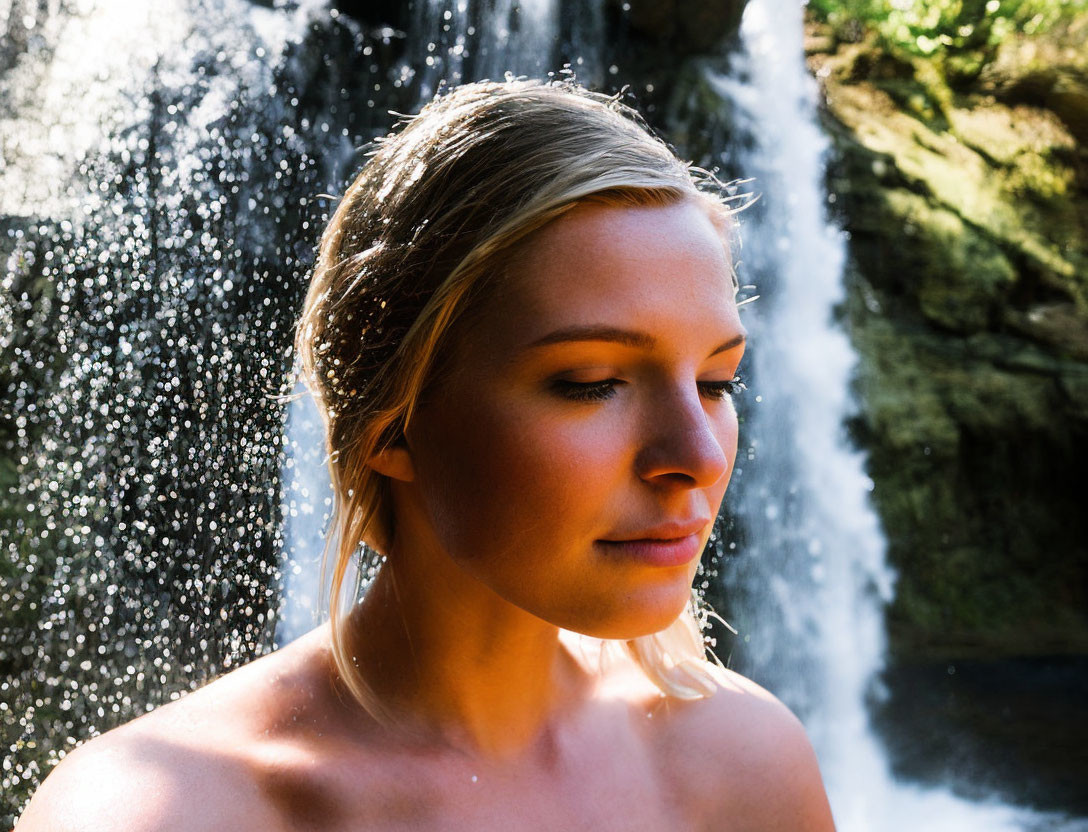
409	252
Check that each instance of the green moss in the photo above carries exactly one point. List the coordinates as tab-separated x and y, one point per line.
972	449
902	406
959	37
960	273
968	309
1013	188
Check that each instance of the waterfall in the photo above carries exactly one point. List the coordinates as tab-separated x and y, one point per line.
817	577
812	579
158	185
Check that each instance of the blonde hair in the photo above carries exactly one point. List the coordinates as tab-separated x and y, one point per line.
410	250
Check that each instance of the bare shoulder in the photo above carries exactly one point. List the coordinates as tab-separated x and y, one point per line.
193	764
144	778
745	756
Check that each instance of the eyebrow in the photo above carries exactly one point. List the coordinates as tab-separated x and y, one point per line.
626	337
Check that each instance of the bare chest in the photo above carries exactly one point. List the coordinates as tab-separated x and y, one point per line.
599	789
597	803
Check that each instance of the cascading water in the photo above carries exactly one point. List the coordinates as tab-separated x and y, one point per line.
814	545
810	585
158	187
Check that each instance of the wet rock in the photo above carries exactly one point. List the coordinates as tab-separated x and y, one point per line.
1058	325
684	27
969	306
377	12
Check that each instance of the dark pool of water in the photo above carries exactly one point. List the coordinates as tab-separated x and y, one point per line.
1015	728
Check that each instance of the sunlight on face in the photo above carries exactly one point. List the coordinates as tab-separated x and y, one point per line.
576	453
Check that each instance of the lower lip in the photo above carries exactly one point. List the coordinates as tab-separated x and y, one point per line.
678	552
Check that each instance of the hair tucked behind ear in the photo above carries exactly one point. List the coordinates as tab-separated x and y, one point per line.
412	247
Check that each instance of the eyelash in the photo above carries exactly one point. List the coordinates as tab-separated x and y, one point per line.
599	391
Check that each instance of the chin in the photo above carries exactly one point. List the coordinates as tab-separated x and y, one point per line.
635	621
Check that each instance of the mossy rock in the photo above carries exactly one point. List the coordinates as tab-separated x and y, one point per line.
902	407
961	274
1008	173
683	27
973	448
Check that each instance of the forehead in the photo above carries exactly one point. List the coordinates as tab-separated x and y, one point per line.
661	269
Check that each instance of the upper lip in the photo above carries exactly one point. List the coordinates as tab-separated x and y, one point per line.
671	530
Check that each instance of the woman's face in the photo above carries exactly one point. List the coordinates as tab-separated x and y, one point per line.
575	455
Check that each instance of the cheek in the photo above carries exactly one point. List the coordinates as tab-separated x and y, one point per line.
510	477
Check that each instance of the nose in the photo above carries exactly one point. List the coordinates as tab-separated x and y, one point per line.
687	446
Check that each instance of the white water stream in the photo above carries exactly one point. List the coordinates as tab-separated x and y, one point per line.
818	578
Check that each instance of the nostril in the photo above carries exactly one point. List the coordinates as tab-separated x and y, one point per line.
679	479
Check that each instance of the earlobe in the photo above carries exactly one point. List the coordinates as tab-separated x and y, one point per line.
394	462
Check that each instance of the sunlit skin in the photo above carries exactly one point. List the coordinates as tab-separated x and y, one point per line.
587	403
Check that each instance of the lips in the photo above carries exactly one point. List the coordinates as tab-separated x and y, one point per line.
675	543
677	552
670	530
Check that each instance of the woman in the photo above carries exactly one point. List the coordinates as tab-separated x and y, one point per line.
523	337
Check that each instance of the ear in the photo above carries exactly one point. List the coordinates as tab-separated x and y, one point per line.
394	462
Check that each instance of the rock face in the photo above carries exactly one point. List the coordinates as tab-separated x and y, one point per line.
967	214
683	27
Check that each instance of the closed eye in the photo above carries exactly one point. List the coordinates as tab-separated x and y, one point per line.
587	391
721	389
599	391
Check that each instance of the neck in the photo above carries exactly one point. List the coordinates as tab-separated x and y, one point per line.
457	663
